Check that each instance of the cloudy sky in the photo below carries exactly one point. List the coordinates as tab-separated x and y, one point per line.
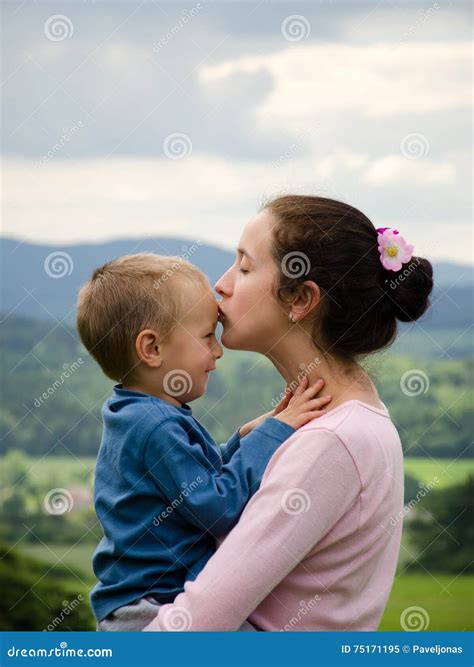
126	119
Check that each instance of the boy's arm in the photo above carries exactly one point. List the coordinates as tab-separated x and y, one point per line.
210	500
316	473
229	448
213	500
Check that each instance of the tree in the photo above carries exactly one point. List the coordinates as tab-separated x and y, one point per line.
443	531
33	600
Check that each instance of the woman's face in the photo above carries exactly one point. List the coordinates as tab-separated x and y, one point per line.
249	312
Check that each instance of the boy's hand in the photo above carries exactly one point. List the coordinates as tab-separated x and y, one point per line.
294	415
301	407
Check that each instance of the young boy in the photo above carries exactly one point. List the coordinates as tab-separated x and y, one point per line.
163	489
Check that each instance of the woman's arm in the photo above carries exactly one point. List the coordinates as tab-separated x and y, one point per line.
308	485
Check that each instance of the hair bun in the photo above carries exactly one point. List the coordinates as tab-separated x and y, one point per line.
410	289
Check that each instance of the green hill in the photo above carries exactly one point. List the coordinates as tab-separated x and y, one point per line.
53	392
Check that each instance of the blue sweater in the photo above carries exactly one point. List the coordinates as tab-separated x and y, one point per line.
163	491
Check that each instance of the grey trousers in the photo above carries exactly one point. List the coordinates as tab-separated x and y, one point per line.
137	615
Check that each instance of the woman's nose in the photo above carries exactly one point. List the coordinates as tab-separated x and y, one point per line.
223	285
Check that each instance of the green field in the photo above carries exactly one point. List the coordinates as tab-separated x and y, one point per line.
446	470
78	557
70	468
446	599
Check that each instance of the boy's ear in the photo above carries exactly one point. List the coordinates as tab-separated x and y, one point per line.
147	347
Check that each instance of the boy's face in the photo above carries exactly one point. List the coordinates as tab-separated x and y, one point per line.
191	350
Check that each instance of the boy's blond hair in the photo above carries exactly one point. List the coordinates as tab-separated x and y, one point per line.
127	295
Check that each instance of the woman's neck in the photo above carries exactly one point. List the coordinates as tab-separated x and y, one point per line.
295	356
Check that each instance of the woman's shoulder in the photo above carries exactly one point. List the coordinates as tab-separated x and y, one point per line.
350	413
354	448
365	434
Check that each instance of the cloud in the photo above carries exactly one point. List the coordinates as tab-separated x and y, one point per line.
90	116
375	80
408	21
396	169
204	197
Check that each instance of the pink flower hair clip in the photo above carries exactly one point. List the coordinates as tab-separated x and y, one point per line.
394	250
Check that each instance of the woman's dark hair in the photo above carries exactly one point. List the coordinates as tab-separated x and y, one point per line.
336	246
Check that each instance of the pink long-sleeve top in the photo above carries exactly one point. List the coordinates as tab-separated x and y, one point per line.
317	546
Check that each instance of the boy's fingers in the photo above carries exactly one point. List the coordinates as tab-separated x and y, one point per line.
302	386
288	393
314	388
317	403
283	404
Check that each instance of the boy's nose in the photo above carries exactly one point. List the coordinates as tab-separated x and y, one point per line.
218	351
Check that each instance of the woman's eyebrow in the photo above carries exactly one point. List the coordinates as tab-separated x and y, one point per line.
242	251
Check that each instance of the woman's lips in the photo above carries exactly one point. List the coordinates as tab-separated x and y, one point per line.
220	314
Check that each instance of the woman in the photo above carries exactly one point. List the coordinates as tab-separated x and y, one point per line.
314	287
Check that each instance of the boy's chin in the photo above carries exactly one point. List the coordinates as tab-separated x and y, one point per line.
197	392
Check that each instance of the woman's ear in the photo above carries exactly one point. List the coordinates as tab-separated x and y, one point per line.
308	295
147	347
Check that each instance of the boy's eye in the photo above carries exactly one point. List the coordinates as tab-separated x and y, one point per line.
209	335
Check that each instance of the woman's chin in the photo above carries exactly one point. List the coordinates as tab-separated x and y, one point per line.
226	340
230	340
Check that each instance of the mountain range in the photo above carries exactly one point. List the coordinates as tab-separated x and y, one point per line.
42	281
